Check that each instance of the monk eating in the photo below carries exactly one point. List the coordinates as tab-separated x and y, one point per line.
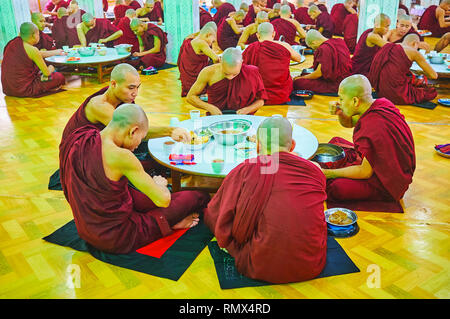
152	43
133	4
96	167
119	10
301	13
275	12
64	29
194	56
152	11
230	85
434	19
380	163
324	23
205	17
253	10
128	36
272	59
350	31
93	30
338	14
248	36
223	10
269	211
230	30
45	41
286	28
52	7
403	28
391	77
331	65
24	72
369	44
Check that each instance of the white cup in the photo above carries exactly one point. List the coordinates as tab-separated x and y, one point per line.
195	114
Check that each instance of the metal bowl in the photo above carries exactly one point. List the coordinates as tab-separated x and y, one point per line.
437	59
230	132
351	214
86	51
123	48
329	156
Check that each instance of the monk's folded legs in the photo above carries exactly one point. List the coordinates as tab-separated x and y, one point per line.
345	189
55	82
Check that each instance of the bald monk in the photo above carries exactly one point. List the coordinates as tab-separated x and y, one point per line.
331	65
230	85
223	11
128	35
435	19
403	28
46	42
272	59
244	7
194	56
52	7
380	162
275	12
24	72
286	28
152	43
253	10
391	77
338	14
229	31
205	17
152	11
64	29
96	167
93	30
350	31
324	24
443	42
119	10
301	13
268	212
369	44
249	36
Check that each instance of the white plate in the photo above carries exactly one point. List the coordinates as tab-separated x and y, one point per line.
301	61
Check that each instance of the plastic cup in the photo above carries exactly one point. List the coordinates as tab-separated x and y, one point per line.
168	146
195	114
217	165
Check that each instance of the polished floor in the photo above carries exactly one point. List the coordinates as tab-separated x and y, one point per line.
409	253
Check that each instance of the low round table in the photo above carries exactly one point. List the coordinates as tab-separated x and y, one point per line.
306	147
96	61
441	69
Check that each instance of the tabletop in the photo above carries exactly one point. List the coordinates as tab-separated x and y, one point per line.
111	55
306	146
439	68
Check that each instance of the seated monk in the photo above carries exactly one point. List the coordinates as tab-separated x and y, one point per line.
391	77
338	14
244	7
248	36
230	85
229	32
152	43
443	42
269	211
223	11
45	41
301	13
205	17
380	163
434	19
24	72
403	28
275	12
133	4
253	10
194	56
369	43
119	10
287	3
93	30
52	7
286	28
64	29
128	35
272	59
152	11
324	23
96	167
350	31
331	65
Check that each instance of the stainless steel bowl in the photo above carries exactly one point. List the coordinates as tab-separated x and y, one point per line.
437	59
221	131
351	214
123	48
86	51
329	155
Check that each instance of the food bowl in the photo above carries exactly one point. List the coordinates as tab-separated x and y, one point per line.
329	156
86	51
230	132
437	59
123	48
298	48
198	141
102	52
332	217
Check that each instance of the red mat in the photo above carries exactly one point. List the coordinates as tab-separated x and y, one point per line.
159	247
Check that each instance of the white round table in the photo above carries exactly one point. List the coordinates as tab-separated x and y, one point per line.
442	70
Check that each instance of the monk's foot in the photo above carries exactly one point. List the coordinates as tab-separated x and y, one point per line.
188	222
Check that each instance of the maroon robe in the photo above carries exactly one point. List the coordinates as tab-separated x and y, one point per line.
334	58
119	12
205	17
350	31
250	16
428	21
222	12
135	5
154	59
226	37
155	14
362	59
105	5
324	21
20	75
190	64
270	3
272	60
286	29
391	77
128	36
54	8
383	137
302	16
411	31
104	211
240	92
338	15
46	42
63	33
103	29
272	224
402	6
323	8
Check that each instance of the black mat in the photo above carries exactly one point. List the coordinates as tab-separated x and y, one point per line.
426	105
54	183
172	264
166	66
338	263
295	100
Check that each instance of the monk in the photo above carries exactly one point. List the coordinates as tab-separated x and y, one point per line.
194	56
269	211
105	5
96	167
301	13
380	163
52	7
152	11
350	31
275	12
249	36
369	44
403	28
46	42
64	29
391	77
286	28
24	72
443	42
223	11
229	32
230	85
128	35
244	7
434	19
152	43
331	65
403	7
253	10
119	10
205	17
272	59
338	14
93	30
324	24
133	4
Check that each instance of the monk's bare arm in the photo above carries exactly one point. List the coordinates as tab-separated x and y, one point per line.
35	55
98	111
193	97
314	75
206	50
81	35
112	37
300	30
427	69
156	47
234	26
252	108
295	56
374	39
440	15
244	37
363	171
46	54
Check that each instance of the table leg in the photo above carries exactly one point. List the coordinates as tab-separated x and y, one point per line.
100	72
176	181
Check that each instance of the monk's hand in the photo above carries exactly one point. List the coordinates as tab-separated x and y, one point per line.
138	54
244	111
334	108
329	173
51	68
180	135
159	180
102	41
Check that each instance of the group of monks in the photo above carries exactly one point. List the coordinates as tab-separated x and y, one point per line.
271	221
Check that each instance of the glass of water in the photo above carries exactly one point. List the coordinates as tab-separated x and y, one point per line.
195	114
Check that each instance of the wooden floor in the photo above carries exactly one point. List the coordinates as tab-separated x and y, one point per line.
410	250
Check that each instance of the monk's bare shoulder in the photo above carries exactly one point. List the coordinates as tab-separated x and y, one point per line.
284	44
99	110
117	158
31	50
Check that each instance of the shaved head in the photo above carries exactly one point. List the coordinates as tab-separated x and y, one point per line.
244	6
87	17
130	13
232	57
150	2
27	30
404	17
61	12
135	22
285	10
381	19
411	40
275	134
36	16
212	25
120	72
313	8
356	85
128	115
314	39
239	14
265	30
262	16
